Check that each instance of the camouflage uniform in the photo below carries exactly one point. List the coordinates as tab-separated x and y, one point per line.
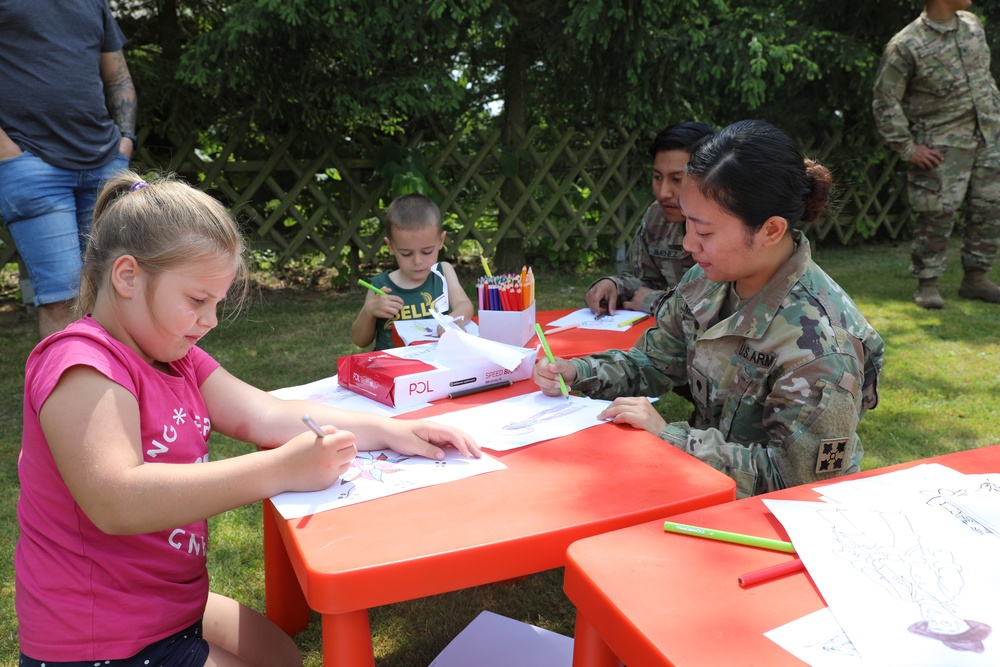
779	386
934	87
656	259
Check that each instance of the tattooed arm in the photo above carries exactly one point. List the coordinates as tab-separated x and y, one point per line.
120	95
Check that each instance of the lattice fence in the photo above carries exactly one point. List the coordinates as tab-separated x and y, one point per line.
555	191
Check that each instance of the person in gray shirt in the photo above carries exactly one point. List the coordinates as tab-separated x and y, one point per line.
67	124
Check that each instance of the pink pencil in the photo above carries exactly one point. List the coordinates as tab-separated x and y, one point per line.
558	329
773	572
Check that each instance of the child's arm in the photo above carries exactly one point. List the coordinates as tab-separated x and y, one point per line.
252	415
92	428
376	307
458	300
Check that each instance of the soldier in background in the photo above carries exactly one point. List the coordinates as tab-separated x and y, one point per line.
780	363
937	105
657	259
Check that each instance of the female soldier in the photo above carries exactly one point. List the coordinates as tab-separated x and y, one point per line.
780	362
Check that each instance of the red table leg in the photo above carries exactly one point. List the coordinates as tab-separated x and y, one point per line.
284	602
589	649
347	640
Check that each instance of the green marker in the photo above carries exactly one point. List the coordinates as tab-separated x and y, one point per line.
371	287
548	353
723	536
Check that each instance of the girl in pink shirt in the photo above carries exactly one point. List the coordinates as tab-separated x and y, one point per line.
116	482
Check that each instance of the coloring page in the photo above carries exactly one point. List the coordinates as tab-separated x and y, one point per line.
909	587
425	330
524	420
381	473
818	640
972	500
622	320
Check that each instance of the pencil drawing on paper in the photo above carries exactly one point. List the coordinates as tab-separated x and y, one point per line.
527	425
836	644
373	466
945	499
884	547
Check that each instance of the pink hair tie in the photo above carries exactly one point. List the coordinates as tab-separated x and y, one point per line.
138	185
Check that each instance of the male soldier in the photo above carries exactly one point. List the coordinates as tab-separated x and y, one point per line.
657	259
937	105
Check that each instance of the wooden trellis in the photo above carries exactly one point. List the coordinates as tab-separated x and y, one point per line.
562	188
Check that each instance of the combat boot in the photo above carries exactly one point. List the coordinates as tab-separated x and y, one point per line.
975	285
927	295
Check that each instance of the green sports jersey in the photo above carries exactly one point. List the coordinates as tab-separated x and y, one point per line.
416	304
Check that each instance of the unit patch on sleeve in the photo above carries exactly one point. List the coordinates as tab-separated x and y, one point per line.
831	455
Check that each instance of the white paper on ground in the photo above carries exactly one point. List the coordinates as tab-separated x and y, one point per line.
492	640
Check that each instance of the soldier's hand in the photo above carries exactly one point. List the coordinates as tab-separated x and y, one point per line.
926	158
636	411
602	297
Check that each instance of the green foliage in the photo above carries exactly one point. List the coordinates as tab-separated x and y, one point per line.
354	74
403	170
332	68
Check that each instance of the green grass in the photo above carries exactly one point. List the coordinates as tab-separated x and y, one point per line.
938	395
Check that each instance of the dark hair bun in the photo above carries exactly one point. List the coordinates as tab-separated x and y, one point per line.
820	184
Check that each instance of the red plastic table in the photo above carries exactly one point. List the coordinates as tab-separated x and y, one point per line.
478	530
579	342
650	598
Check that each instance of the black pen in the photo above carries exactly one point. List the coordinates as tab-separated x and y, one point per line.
485	387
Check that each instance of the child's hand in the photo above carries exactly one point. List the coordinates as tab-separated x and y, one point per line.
424	438
383	307
312	463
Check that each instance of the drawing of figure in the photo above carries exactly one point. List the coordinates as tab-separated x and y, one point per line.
886	549
526	425
943	499
970	639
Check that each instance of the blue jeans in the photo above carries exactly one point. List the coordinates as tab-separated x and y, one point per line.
48	211
186	648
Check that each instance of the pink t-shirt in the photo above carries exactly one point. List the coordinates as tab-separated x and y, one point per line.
82	594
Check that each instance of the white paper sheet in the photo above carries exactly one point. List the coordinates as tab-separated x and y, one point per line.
622	320
425	330
909	586
458	348
328	392
972	500
818	640
492	640
381	473
523	420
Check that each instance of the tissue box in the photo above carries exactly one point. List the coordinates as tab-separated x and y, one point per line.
404	376
512	327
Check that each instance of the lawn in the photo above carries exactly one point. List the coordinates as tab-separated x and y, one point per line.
938	395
